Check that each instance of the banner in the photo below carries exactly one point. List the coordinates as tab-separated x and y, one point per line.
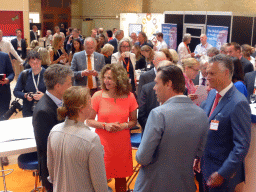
169	31
217	35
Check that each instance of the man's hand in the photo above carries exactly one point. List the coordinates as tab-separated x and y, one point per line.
193	96
192	54
94	73
38	95
5	81
215	180
86	72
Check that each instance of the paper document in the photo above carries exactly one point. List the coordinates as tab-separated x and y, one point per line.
201	91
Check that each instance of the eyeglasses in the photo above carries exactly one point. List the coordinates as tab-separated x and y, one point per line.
125	46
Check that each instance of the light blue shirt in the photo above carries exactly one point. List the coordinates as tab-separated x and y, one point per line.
202	49
57	101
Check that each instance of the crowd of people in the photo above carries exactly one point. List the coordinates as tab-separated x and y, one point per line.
100	81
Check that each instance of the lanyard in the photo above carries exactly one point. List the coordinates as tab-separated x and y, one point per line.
187	48
127	66
38	78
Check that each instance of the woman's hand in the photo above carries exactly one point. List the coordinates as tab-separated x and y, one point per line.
28	97
113	127
122	56
38	95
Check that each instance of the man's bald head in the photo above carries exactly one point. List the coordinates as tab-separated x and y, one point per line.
158	57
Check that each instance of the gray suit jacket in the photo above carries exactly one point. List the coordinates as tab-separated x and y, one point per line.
79	64
174	134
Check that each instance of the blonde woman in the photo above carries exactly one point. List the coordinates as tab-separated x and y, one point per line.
74	153
58	54
191	67
107	51
45	57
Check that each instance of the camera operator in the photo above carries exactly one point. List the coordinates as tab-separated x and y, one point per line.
6	77
30	85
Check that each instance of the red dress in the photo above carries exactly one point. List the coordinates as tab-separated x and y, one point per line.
117	146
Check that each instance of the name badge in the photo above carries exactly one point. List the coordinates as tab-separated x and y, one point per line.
19	49
214	125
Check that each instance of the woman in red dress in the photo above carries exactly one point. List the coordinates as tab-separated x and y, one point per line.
116	108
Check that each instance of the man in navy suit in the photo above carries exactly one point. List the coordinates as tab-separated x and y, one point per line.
33	33
150	75
234	50
57	78
249	81
229	135
5	91
118	36
82	70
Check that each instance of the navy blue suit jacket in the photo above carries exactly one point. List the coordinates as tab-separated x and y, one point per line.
147	102
249	80
227	147
114	43
6	68
14	43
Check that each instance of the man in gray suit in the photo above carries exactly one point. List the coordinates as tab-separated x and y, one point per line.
175	134
87	65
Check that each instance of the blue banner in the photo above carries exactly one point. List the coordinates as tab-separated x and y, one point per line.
170	35
217	35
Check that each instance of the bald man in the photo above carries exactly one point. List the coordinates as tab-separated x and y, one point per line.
150	75
203	47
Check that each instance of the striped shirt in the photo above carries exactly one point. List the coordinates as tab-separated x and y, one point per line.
75	159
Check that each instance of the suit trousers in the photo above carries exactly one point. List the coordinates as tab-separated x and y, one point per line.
5	98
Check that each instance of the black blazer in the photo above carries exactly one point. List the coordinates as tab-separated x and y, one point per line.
145	78
114	43
247	65
147	102
249	80
44	119
14	43
32	36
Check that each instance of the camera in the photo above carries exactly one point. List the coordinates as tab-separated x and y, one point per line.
2	77
31	94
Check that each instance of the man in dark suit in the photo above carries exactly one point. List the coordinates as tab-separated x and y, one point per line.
118	36
57	79
150	75
5	91
229	135
148	99
87	65
201	76
19	44
249	81
75	35
234	50
20	47
33	33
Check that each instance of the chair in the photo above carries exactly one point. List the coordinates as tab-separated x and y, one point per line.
29	162
135	141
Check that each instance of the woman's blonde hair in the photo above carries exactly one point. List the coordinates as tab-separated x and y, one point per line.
34	44
55	43
74	99
107	48
246	50
190	62
45	56
150	50
175	56
123	86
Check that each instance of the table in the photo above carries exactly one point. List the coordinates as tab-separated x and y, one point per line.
17	137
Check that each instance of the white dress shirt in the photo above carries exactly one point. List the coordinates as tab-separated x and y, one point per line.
7	47
161	45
